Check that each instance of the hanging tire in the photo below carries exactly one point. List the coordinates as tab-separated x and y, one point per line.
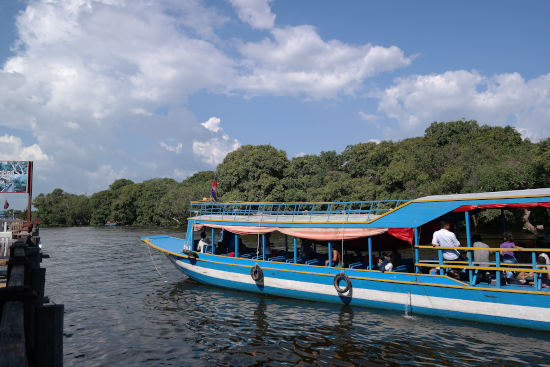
256	273
337	279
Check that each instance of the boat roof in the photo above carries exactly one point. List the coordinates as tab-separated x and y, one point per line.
364	214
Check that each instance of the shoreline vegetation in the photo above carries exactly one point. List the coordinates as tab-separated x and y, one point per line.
452	157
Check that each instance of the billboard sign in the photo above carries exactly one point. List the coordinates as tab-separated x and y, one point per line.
14	176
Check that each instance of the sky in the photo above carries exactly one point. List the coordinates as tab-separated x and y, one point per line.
96	90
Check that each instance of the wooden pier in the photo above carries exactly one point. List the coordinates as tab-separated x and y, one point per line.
31	330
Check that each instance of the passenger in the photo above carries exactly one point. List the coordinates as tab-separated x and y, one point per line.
386	263
481	256
307	250
336	259
204	241
446	238
509	256
542	230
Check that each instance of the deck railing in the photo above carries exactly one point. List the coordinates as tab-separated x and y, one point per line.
304	209
496	266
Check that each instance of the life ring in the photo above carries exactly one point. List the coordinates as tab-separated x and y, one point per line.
256	273
337	279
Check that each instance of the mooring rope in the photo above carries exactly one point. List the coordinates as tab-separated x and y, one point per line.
153	261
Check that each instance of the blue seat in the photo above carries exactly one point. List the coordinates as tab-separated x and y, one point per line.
313	262
357	265
299	260
277	258
401	269
247	256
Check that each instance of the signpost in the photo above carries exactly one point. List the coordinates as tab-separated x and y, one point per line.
16	178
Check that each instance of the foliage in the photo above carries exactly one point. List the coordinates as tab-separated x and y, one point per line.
452	157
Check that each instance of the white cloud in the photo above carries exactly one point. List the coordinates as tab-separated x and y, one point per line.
13	149
257	13
212	124
418	100
214	150
174	149
368	116
296	61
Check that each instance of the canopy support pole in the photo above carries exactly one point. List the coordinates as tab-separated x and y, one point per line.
416	252
370	252
295	250
236	245
329	253
469	244
213	241
263	247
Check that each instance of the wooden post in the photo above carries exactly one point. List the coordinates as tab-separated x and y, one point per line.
49	337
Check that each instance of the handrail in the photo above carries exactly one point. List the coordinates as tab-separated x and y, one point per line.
293	209
500	268
494	249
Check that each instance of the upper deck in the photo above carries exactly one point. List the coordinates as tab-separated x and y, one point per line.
374	214
288	213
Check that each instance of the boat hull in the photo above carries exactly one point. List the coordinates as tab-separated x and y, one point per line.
404	292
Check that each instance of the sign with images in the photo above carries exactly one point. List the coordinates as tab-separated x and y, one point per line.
14	176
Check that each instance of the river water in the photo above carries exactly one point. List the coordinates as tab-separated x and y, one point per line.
126	305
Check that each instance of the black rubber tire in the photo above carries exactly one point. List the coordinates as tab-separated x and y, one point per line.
256	273
337	278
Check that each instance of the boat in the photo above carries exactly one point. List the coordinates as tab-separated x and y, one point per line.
112	224
421	285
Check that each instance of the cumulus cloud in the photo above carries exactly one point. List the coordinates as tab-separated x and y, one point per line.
12	148
100	84
212	124
507	98
297	61
257	13
214	150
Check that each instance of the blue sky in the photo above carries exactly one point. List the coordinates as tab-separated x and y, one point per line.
95	90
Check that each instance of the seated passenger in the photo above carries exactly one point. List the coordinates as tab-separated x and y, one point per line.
446	238
385	263
509	256
336	259
204	241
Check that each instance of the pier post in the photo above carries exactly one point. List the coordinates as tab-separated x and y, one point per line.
369	241
295	250
330	253
213	241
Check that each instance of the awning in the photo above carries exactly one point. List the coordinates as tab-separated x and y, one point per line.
319	234
465	208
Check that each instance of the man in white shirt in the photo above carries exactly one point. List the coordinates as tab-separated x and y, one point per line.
203	242
446	238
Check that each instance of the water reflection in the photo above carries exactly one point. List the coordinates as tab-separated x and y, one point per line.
120	311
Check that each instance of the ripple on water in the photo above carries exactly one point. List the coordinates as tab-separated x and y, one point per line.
120	311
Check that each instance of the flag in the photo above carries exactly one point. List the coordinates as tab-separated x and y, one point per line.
6	204
215	189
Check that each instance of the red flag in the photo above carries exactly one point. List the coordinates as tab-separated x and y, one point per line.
215	189
6	204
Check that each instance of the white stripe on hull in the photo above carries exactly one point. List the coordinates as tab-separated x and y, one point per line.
440	303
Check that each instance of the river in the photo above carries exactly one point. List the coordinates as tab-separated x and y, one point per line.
126	305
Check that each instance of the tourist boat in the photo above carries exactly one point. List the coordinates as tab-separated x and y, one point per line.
370	227
112	224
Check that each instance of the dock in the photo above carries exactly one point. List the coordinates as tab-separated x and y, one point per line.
31	329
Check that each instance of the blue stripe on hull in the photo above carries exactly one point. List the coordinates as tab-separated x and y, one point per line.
499	298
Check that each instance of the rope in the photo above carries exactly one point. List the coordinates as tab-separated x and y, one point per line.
153	261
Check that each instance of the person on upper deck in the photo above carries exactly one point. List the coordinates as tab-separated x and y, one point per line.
445	238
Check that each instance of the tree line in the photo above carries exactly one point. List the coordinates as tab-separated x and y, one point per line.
451	157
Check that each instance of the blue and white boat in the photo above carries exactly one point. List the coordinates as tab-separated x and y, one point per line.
367	227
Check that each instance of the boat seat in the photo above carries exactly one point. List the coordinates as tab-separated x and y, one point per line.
401	269
357	265
247	256
313	262
277	258
299	260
